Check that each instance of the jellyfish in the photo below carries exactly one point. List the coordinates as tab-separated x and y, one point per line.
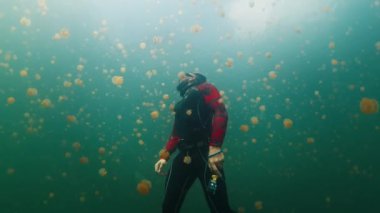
244	128
229	62
369	106
332	45
196	28
102	172
46	103
165	97
25	22
377	45
142	45
310	140
254	120
288	123
144	187
71	118
259	205
154	115
334	61
24	73
32	91
11	100
83	160
76	146
272	75
101	150
117	80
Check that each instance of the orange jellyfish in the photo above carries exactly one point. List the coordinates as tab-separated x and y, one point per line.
117	80
272	75
71	118
165	97
102	172
255	120
244	128
76	146
369	106
259	205
32	92
24	73
334	62
46	103
154	115
144	187
101	150
83	160
310	140
288	123
11	100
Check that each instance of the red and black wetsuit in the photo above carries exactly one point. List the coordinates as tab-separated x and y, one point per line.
200	122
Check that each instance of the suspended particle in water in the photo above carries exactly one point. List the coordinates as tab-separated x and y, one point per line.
144	187
369	106
82	198
288	123
10	171
250	60
244	128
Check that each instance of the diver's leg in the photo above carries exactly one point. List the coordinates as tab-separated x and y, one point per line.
218	201
178	182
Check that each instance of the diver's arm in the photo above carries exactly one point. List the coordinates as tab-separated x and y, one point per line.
220	117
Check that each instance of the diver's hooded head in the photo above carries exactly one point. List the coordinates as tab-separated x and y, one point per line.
189	80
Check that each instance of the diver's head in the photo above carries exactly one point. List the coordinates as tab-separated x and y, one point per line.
189	80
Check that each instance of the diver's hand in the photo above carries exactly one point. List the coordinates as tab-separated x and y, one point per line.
215	162
158	166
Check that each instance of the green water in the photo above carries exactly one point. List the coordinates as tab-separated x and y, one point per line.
40	170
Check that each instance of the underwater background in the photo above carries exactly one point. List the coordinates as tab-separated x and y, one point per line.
86	88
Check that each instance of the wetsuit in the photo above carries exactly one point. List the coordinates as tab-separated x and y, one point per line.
200	122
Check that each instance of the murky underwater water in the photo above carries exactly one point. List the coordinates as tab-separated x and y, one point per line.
86	89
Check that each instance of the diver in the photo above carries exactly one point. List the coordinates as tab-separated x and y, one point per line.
198	132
